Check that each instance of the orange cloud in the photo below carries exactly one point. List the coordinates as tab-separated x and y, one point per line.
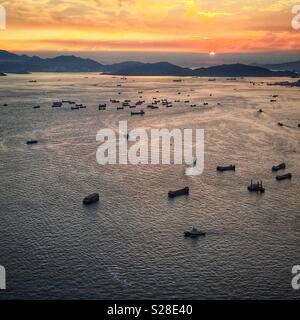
177	25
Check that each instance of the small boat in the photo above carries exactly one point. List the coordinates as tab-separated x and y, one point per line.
56	104
102	107
36	107
138	113
280	124
194	233
205	103
260	110
281	166
226	168
181	192
256	187
284	177
82	107
75	108
273	100
298	125
32	142
120	108
92	198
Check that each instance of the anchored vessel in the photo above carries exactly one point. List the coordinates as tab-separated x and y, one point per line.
92	198
281	166
181	192
194	233
226	168
56	104
284	177
141	113
102	106
256	187
32	142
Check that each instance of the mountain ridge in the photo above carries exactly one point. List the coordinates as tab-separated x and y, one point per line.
13	63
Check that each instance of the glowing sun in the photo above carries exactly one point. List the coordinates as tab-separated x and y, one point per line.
212	53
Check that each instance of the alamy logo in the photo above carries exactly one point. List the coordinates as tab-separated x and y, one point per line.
2	278
296	19
161	146
2	18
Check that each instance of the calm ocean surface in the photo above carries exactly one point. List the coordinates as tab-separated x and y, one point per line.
130	245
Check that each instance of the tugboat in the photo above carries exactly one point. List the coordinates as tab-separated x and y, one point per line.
226	168
194	233
181	192
32	142
284	177
256	187
138	113
92	198
281	166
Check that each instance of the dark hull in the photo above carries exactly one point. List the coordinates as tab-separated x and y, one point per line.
177	193
284	177
279	167
32	142
92	198
227	168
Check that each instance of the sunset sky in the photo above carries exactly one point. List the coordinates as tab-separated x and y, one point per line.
150	25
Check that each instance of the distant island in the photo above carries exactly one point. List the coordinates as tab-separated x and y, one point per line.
286	84
13	63
291	66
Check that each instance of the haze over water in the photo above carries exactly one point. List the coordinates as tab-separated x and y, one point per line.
130	245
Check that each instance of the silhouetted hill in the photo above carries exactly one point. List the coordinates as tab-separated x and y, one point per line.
240	70
120	67
227	70
13	63
152	69
290	66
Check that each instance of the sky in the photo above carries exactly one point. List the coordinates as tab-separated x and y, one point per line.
166	26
